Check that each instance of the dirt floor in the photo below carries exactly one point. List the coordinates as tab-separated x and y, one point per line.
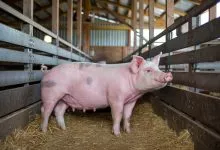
92	131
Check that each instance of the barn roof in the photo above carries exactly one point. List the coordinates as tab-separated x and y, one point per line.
108	9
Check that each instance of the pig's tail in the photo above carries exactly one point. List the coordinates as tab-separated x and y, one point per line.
43	68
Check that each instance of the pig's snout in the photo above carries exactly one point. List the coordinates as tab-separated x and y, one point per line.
168	77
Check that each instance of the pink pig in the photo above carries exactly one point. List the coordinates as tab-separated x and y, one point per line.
90	86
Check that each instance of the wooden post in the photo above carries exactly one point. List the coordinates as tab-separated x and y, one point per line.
86	26
134	20
55	19
28	7
86	36
129	38
212	13
141	21
55	16
169	12
79	24
169	21
151	21
70	20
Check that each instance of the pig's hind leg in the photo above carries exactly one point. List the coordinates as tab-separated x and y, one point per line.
59	113
49	100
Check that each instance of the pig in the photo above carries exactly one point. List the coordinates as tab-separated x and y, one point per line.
89	86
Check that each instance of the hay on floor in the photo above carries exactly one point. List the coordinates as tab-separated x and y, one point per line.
92	131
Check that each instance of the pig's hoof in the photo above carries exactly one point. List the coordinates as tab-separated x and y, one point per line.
43	129
127	130
116	133
63	127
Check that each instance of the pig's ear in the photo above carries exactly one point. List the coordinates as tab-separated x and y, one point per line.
156	59
136	63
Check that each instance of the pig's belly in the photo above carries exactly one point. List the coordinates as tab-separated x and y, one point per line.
86	101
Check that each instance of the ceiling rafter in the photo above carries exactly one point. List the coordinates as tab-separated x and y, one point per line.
164	13
157	5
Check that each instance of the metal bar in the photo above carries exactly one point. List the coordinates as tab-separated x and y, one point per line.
18	119
207	81
204	33
19	77
17	98
208	54
194	12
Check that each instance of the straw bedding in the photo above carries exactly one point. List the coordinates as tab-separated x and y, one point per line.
92	131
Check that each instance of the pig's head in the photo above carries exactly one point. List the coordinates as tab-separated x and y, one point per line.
149	76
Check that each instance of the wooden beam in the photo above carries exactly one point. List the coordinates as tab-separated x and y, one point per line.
134	21
18	119
114	14
207	54
204	137
161	6
212	13
194	37
151	19
28	7
169	12
157	5
17	98
141	18
70	21
178	22
203	108
55	17
115	3
196	2
206	81
86	26
79	24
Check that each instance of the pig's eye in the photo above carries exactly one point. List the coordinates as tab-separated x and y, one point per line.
148	70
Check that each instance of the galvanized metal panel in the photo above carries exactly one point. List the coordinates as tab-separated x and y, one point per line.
7	55
109	37
19	77
16	37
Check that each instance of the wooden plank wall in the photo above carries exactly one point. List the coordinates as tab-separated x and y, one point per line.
110	53
182	108
20	73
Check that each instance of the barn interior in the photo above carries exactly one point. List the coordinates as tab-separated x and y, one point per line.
183	115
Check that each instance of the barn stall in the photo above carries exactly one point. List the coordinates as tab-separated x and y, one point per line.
183	115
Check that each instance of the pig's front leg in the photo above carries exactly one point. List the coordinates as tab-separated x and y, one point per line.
116	111
128	108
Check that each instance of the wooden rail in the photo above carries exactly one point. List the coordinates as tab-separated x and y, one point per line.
24	18
204	138
183	109
180	21
202	107
208	54
20	89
